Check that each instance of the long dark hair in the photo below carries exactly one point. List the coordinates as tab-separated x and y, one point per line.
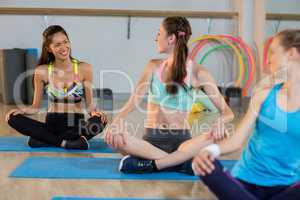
46	56
290	38
180	27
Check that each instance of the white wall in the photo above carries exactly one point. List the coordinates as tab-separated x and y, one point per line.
283	6
102	41
214	5
280	6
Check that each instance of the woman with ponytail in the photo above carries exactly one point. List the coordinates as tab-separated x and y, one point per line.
67	81
172	85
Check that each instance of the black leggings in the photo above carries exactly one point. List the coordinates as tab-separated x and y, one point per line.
225	187
57	127
167	140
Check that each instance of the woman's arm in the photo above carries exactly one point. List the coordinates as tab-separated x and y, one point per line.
202	163
139	91
87	73
205	79
245	126
38	81
87	76
114	134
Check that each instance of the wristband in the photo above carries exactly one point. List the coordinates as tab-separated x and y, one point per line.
214	149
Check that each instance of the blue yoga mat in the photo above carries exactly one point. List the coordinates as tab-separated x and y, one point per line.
85	198
90	168
20	144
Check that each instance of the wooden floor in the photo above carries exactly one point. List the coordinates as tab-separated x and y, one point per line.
45	189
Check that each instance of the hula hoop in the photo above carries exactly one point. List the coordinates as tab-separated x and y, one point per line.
243	53
212	50
251	61
195	50
216	48
267	45
235	49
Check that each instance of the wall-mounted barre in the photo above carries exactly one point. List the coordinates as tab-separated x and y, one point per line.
283	16
115	12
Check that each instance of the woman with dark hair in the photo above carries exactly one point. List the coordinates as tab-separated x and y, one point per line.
174	83
269	167
67	81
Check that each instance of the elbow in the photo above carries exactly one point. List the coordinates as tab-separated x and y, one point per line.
231	115
228	115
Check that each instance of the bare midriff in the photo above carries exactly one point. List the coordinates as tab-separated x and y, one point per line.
66	107
159	117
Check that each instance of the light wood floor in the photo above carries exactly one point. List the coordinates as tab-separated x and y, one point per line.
45	189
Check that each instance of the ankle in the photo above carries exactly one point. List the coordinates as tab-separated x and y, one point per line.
80	143
154	165
63	143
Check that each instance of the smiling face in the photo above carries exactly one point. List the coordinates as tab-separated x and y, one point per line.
60	46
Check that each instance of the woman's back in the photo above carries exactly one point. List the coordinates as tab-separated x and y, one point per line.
166	110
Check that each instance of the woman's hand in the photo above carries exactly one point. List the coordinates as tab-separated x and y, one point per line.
100	114
203	163
114	135
218	130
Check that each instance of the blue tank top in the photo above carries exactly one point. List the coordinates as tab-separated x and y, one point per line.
272	156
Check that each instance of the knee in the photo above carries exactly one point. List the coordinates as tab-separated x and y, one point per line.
12	119
96	119
218	166
95	125
216	172
127	143
124	144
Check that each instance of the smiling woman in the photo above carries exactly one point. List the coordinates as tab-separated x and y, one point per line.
66	81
